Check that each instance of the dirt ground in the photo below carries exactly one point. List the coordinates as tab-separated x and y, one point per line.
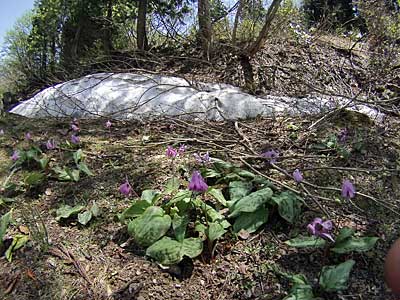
99	261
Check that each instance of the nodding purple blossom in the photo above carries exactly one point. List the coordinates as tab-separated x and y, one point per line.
126	188
28	136
202	159
74	127
108	124
197	183
15	156
75	139
171	152
182	148
321	228
348	189
297	176
51	144
343	135
272	155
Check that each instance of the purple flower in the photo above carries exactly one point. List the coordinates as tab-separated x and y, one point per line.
202	159
51	144
197	183
297	176
108	124
15	156
182	149
321	229
343	135
348	189
171	152
75	128
125	188
272	155
75	139
28	136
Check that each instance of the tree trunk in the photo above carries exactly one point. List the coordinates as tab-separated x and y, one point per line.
236	22
205	29
141	25
107	38
253	49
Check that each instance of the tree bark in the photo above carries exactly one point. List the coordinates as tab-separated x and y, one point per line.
141	26
205	28
236	22
256	46
107	37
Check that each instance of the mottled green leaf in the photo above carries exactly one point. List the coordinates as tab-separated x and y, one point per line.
306	242
66	211
214	231
289	206
169	252
150	226
334	278
5	220
358	244
251	202
251	221
238	190
151	196
84	168
85	217
18	241
217	195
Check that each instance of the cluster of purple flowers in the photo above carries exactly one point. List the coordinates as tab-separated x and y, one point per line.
172	152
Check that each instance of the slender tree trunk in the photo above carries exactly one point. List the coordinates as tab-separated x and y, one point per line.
205	28
141	25
107	38
253	49
236	22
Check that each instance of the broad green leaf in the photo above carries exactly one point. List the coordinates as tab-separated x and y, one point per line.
179	224
300	292
214	231
85	217
358	244
151	196
180	196
135	210
231	177
172	185
150	226
251	202
78	155
217	195
66	211
238	190
5	220
169	252
210	173
34	179
5	201
344	234
95	210
19	240
306	242
222	165
334	278
66	174
32	154
289	206
43	162
251	221
211	213
84	168
245	174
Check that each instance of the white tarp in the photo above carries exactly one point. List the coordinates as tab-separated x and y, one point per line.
127	96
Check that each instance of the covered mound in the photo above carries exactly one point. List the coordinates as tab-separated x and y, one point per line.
129	96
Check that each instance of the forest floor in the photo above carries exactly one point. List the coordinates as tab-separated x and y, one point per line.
98	261
67	260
